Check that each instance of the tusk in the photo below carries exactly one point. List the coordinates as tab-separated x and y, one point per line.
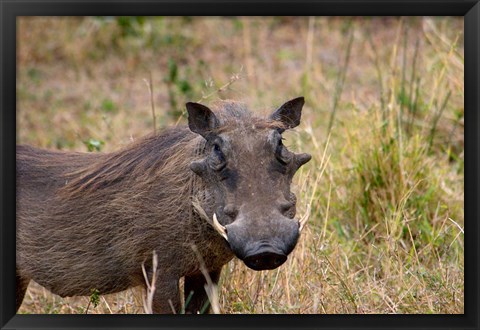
218	227
303	220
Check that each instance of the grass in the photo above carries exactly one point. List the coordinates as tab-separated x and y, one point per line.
383	121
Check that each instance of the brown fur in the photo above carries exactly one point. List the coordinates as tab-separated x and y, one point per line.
89	220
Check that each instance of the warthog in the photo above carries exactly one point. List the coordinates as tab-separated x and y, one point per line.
197	195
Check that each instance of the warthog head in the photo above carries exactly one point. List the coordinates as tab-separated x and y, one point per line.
248	171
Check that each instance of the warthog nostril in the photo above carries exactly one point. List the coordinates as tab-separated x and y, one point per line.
265	260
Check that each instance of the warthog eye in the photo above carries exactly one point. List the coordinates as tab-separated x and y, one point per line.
218	160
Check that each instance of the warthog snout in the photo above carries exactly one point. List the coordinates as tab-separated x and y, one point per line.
268	247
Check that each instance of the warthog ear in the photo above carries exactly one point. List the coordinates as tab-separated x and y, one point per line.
290	113
201	119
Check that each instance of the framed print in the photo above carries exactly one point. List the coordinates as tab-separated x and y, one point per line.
302	165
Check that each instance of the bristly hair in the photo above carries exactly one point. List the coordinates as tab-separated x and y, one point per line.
138	160
234	115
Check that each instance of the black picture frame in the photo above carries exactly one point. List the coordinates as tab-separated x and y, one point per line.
9	10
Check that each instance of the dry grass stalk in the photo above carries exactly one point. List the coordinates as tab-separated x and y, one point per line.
210	288
148	296
149	84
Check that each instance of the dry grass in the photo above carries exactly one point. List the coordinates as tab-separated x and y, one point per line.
386	194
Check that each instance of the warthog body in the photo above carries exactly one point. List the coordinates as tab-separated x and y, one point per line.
197	195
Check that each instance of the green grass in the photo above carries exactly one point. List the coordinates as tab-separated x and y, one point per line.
383	121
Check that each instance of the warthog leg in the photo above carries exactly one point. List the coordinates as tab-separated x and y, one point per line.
166	299
195	295
21	288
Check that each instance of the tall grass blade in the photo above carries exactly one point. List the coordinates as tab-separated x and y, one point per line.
341	78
